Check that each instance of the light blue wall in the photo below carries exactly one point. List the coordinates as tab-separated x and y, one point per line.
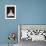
31	11
27	12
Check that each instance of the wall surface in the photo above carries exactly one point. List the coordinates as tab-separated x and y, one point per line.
27	12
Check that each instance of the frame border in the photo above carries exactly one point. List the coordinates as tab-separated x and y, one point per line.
6	11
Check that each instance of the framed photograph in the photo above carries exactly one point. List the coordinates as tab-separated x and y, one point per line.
10	12
31	32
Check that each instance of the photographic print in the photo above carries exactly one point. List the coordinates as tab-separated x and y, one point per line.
10	12
32	32
29	34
